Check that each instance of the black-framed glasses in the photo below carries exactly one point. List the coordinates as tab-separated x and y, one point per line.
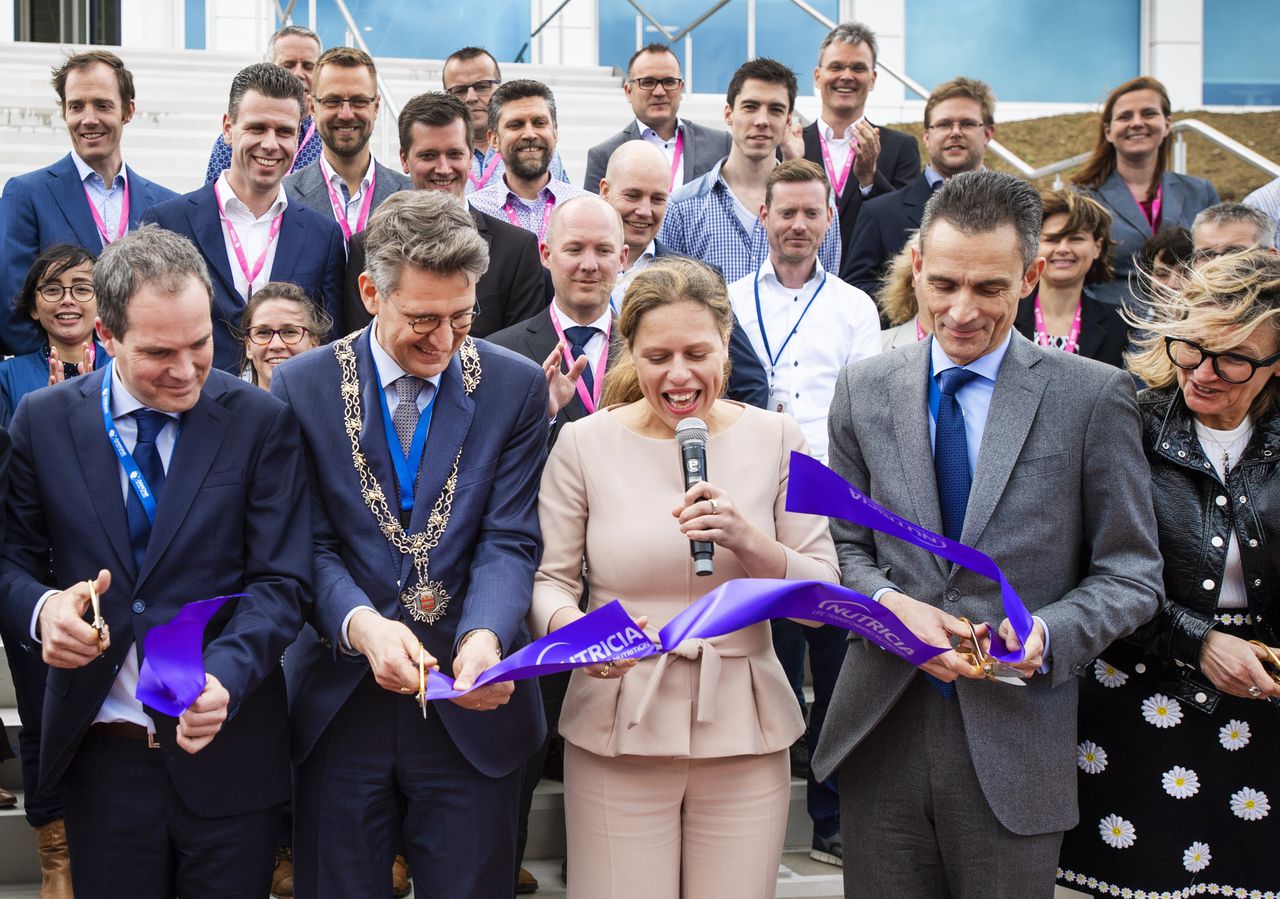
53	293
290	334
483	88
1230	367
670	85
947	125
357	104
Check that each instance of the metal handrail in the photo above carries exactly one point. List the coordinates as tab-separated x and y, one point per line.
1214	136
386	123
536	31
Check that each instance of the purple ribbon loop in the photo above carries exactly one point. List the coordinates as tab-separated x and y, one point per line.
817	490
172	674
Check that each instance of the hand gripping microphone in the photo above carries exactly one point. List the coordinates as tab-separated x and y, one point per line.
691	438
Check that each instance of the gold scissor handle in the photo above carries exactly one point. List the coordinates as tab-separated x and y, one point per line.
423	674
98	623
1271	659
989	667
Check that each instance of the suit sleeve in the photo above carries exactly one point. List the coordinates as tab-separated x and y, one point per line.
907	164
277	563
26	539
527	295
862	264
562	506
1122	587
748	382
19	243
335	270
596	163
353	311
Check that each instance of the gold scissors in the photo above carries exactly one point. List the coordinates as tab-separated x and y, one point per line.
1271	664
423	674
98	623
990	668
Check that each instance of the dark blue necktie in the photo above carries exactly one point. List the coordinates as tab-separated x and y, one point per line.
951	466
578	337
147	457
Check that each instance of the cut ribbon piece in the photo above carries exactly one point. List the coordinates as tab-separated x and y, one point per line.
172	674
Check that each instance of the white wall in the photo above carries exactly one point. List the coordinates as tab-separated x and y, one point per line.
156	24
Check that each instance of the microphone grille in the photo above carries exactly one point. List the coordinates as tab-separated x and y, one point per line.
691	431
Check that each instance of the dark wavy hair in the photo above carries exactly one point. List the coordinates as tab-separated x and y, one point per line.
59	258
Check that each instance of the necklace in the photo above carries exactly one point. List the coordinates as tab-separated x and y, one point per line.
1231	448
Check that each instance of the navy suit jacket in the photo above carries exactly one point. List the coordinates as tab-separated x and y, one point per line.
47	207
748	382
234	517
897	164
486	558
881	232
310	252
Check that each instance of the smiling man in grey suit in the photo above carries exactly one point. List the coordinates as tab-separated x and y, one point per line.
950	786
346	182
654	87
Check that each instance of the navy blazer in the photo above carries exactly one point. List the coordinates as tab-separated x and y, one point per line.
1103	333
234	517
1181	198
897	164
47	207
486	558
310	252
881	232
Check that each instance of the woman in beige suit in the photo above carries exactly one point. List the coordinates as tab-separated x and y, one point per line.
676	780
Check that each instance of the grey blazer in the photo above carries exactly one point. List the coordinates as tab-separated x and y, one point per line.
306	186
703	148
1061	499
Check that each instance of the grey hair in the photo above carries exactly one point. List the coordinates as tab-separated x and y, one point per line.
520	89
851	33
427	229
983	201
148	255
291	31
1225	213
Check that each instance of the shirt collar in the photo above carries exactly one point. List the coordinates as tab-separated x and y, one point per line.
335	179
233	205
767	273
642	261
85	171
601	324
830	133
512	197
123	402
932	176
645	131
988	366
389	371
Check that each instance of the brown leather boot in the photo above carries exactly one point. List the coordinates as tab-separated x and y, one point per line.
282	874
55	864
400	877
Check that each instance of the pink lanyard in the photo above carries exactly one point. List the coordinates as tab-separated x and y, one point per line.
1042	333
340	208
920	335
590	400
837	184
239	248
306	139
675	160
546	215
479	183
97	216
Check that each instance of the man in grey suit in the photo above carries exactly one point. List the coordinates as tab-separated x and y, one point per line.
654	87
951	786
346	182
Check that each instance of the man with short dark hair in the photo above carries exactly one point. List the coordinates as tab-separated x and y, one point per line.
471	74
165	482
959	121
346	181
1231	228
654	88
87	199
715	219
1009	448
522	127
435	147
297	50
244	224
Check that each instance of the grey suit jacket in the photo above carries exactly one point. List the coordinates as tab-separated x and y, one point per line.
1061	499
703	148
306	186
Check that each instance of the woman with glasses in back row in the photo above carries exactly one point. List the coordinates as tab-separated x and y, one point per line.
278	322
1178	723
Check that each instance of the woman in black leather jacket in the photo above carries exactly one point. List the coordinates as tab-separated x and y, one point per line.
1179	724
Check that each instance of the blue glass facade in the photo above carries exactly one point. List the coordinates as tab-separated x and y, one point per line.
430	29
1241	43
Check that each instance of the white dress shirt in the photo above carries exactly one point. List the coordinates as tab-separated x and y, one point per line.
668	147
841	326
839	146
352	203
254	232
595	346
636	266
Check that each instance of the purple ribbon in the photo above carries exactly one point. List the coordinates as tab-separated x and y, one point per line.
817	490
172	673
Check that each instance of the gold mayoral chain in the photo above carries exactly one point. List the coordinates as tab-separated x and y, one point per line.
426	600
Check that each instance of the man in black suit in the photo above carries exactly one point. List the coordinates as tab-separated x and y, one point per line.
435	150
861	160
959	120
654	87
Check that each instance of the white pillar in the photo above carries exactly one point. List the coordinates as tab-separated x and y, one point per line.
8	24
571	38
156	24
239	25
1173	48
888	19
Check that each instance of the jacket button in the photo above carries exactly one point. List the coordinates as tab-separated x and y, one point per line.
1182	454
1222	500
1208	584
1257	582
139	606
1253	544
1202	697
1165	445
1140	668
951	595
1216	541
1243	498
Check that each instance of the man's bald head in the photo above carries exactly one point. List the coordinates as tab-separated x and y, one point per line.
588	210
584	251
636	184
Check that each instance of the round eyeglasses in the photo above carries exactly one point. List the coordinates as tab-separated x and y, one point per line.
53	293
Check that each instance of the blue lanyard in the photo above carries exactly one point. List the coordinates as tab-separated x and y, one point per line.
406	466
131	470
764	335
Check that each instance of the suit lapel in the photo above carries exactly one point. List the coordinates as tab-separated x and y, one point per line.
206	226
909	398
386	183
1014	405
293	243
101	468
1121	202
1092	328
141	197
1171	199
68	193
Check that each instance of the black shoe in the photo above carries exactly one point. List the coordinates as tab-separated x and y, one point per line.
800	758
828	849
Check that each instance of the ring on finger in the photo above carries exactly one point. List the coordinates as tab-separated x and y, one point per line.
715	506
607	669
1254	690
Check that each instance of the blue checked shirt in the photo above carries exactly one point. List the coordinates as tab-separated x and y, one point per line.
1267	198
480	162
106	200
220	156
527	215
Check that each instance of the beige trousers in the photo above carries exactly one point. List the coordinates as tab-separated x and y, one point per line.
675	828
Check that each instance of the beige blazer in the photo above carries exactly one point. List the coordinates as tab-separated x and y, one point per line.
607	496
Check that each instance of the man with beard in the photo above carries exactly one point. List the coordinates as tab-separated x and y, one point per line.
522	124
959	120
346	181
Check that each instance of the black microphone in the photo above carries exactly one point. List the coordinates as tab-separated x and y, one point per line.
691	437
